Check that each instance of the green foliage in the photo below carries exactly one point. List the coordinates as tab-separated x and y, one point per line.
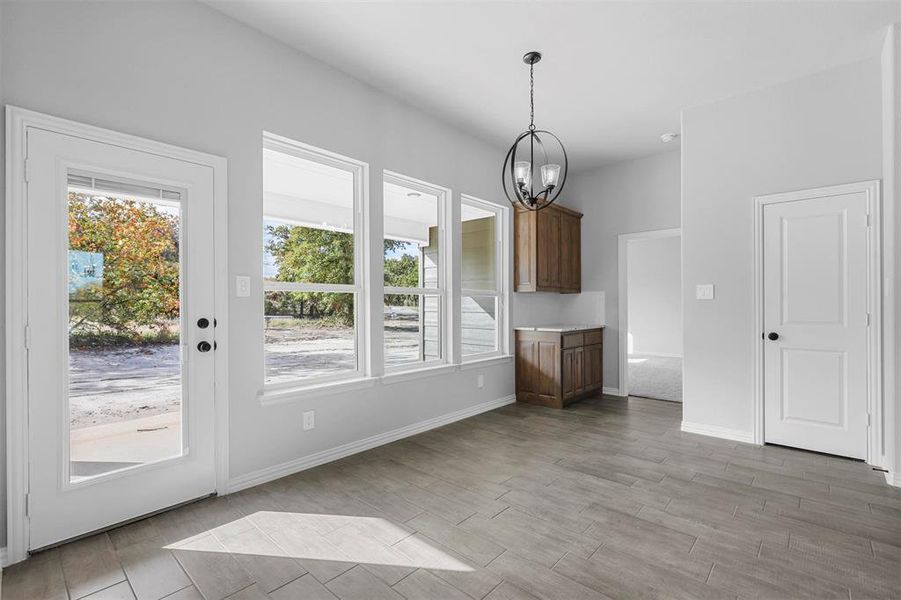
401	272
139	290
309	255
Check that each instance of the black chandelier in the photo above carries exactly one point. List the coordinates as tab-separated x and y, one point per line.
518	175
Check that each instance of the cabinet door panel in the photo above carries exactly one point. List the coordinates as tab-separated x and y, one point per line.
594	367
579	370
526	362
570	253
547	375
568	382
524	272
548	238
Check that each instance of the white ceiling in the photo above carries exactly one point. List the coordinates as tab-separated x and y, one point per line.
615	75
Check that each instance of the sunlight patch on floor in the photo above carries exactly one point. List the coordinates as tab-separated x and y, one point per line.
323	537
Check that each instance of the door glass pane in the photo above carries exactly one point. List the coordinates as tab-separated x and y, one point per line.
125	383
308	334
412	329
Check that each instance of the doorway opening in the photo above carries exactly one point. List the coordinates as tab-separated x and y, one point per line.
650	267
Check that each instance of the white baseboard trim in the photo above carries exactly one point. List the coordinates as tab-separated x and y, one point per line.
248	480
655	354
893	478
610	391
725	433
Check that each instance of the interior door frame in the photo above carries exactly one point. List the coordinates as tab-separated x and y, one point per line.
18	120
876	303
623	293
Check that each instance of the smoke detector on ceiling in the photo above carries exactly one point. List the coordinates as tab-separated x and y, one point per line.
666	138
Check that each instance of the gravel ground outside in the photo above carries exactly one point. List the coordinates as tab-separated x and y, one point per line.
121	384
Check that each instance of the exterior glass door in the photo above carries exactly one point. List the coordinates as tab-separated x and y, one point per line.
120	313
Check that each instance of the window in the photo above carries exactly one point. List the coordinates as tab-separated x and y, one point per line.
483	279
415	301
312	263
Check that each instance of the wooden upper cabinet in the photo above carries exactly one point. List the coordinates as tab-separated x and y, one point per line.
570	252
549	247
547	250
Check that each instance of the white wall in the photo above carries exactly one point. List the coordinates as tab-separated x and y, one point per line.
654	279
185	74
2	296
891	165
632	196
546	308
820	130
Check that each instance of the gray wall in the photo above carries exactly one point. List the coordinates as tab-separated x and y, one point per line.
655	295
637	195
820	130
185	74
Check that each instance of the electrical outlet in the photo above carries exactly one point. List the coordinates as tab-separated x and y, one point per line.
480	381
242	286
309	420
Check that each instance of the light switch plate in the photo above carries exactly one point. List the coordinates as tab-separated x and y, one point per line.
704	291
242	286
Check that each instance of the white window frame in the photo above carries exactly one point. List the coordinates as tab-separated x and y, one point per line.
445	252
502	274
360	172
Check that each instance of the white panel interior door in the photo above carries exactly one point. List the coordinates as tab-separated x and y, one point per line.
120	381
815	319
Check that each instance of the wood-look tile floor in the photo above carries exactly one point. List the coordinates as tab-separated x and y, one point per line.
607	499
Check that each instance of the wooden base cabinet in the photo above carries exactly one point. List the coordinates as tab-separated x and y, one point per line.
554	368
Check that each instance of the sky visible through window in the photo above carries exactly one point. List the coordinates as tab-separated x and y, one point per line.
409	249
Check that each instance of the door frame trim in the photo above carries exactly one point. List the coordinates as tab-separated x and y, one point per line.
623	295
18	120
875	305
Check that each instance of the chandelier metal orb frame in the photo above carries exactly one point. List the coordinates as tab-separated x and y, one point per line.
518	174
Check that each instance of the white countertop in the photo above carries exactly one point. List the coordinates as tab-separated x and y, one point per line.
557	327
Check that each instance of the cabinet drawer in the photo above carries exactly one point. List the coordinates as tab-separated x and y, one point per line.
573	340
595	336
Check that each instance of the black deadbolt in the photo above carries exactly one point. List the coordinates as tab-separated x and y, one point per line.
773	336
204	346
203	322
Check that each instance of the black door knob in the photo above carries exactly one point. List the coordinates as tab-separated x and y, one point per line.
204	346
203	322
773	336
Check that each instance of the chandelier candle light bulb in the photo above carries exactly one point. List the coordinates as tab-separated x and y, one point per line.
522	171
517	175
549	175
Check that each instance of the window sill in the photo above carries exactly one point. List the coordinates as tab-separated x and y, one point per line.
274	397
417	373
290	395
481	363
